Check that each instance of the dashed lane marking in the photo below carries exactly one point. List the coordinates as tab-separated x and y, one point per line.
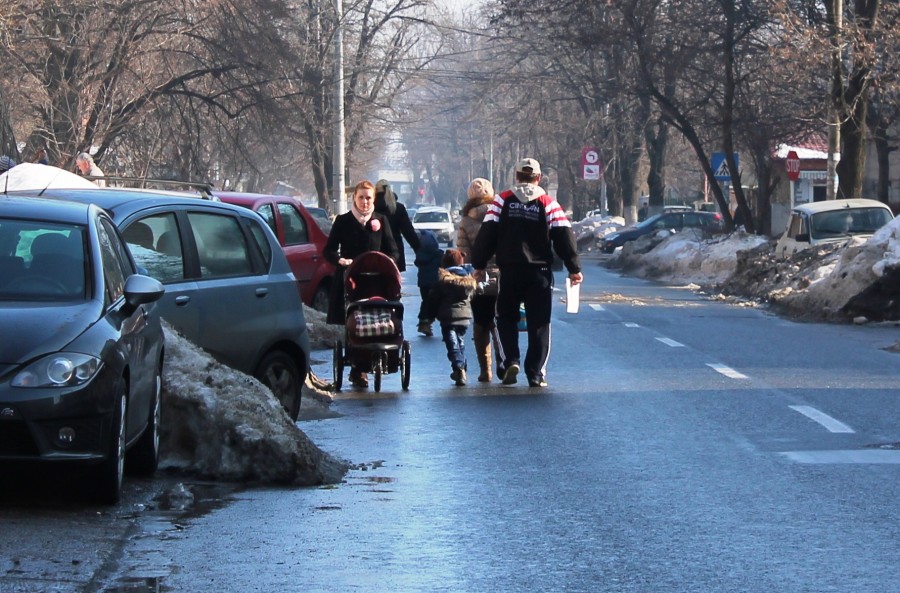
830	424
630	324
727	371
671	343
596	307
844	456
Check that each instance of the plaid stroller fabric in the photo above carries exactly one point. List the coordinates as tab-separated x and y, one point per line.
373	322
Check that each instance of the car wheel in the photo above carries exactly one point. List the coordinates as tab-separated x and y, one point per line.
108	486
143	458
320	298
280	373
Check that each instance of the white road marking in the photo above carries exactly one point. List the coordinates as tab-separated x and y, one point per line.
727	371
630	324
845	456
596	307
671	343
830	424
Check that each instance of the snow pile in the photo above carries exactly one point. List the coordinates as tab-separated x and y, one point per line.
857	280
591	230
686	257
221	424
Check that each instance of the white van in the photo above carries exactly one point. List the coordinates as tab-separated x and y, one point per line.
831	221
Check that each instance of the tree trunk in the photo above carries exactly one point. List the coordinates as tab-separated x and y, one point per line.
853	154
657	140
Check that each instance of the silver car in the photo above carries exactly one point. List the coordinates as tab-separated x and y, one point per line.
831	221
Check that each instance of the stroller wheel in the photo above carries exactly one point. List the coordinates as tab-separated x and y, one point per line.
378	370
338	364
405	359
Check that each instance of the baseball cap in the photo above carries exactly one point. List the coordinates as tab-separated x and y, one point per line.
528	166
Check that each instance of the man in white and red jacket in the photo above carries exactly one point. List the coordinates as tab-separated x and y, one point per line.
522	228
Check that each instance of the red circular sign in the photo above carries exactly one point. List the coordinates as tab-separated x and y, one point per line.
792	164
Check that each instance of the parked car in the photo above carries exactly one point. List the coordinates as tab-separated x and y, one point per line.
673	221
322	217
438	220
831	221
81	357
229	288
301	237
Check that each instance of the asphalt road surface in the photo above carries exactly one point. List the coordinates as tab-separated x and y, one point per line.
683	445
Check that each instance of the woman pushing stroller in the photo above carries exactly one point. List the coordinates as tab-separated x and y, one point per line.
352	234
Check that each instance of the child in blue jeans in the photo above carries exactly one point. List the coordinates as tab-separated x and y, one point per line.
428	262
449	301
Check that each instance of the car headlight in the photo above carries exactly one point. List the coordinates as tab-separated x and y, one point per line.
62	369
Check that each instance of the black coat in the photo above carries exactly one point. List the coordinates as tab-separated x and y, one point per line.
401	226
349	239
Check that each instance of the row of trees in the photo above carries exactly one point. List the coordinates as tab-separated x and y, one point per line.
201	90
241	90
644	80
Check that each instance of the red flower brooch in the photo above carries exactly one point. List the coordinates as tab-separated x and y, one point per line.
375	224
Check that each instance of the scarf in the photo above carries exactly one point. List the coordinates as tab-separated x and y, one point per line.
359	216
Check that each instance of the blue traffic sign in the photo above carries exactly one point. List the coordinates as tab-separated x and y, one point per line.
720	165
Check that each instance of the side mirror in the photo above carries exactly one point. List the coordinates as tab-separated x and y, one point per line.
140	290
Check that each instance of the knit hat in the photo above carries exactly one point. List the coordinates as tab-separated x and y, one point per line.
6	163
480	188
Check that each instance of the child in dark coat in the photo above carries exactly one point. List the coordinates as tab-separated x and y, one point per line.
449	301
428	262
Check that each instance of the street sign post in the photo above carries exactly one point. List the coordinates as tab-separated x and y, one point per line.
590	164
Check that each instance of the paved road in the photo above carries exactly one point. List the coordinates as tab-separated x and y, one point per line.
683	446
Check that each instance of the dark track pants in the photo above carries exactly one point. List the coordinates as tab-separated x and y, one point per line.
531	285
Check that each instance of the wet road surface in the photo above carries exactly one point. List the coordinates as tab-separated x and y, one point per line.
682	446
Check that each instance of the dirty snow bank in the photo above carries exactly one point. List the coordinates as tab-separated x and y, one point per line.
685	258
858	280
591	230
220	424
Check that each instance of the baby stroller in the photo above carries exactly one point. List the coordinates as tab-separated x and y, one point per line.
373	332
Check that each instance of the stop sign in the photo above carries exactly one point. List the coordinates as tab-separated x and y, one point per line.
792	164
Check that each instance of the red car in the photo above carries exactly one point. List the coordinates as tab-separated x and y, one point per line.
300	236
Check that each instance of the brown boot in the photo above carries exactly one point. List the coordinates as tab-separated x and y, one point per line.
482	338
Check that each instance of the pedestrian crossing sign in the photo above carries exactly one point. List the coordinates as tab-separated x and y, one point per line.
720	166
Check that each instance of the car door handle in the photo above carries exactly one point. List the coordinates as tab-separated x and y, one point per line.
261	292
182	300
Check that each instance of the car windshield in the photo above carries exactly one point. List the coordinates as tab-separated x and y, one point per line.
41	261
848	221
432	216
648	222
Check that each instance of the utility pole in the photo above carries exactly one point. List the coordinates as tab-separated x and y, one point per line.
337	159
836	99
